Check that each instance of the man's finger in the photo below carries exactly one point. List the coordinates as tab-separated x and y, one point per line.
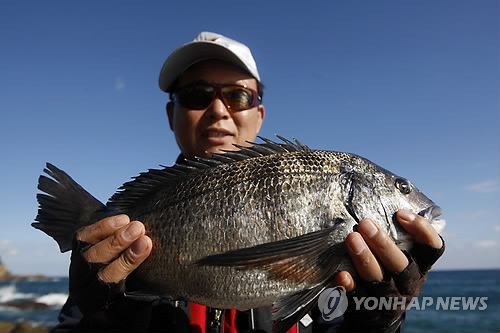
386	251
128	261
102	229
110	248
419	228
345	280
363	259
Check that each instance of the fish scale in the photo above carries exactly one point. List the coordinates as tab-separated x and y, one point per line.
263	225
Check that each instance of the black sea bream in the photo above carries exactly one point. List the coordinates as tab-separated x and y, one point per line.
259	226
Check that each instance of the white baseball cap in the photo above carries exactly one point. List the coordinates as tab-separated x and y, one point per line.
207	45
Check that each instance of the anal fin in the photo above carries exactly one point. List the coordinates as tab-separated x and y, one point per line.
288	310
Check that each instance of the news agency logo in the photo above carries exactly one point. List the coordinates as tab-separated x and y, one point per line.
332	303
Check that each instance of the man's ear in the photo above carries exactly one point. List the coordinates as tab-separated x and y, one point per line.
262	113
170	114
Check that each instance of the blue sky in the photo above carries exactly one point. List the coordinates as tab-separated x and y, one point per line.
411	85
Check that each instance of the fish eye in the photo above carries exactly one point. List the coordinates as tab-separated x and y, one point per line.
403	185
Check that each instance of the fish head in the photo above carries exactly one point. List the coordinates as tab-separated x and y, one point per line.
378	194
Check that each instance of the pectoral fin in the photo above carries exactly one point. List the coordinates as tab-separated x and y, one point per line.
311	257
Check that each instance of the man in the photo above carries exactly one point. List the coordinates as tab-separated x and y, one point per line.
216	95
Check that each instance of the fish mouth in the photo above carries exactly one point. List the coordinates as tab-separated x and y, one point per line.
431	213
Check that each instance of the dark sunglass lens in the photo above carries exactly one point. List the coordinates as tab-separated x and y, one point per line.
196	97
237	98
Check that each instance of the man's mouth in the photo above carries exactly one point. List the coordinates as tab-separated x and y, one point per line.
216	134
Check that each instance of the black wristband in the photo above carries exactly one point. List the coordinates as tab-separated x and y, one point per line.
89	292
425	256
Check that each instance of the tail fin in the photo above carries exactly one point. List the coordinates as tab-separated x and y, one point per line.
65	208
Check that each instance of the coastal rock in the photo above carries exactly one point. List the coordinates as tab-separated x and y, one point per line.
22	327
5	275
37	277
28	305
6	326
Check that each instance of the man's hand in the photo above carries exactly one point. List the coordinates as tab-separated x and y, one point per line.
103	255
118	242
386	271
373	252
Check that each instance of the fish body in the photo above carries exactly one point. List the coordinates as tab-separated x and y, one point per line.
245	229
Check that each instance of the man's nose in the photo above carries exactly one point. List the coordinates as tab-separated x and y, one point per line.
217	109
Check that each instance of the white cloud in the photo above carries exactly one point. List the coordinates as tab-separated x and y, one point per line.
496	228
7	247
119	84
486	243
484	187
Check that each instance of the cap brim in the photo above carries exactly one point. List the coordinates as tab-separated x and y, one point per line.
188	55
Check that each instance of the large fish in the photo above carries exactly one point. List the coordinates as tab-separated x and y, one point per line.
259	226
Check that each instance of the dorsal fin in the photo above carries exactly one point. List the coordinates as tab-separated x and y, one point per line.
148	182
145	183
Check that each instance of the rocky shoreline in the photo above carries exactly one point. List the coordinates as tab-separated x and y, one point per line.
5	275
21	327
12	277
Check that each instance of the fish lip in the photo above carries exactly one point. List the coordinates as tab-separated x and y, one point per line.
431	212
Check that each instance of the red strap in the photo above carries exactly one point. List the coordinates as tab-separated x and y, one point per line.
293	329
198	320
229	322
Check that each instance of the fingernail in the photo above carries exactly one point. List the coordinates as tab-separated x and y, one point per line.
132	232
406	215
357	244
119	221
139	247
369	228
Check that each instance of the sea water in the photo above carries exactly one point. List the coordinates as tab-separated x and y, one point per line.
469	283
51	294
474	284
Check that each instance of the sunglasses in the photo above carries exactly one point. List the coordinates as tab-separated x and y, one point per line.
199	96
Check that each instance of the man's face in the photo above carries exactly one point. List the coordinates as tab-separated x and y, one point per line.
215	127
